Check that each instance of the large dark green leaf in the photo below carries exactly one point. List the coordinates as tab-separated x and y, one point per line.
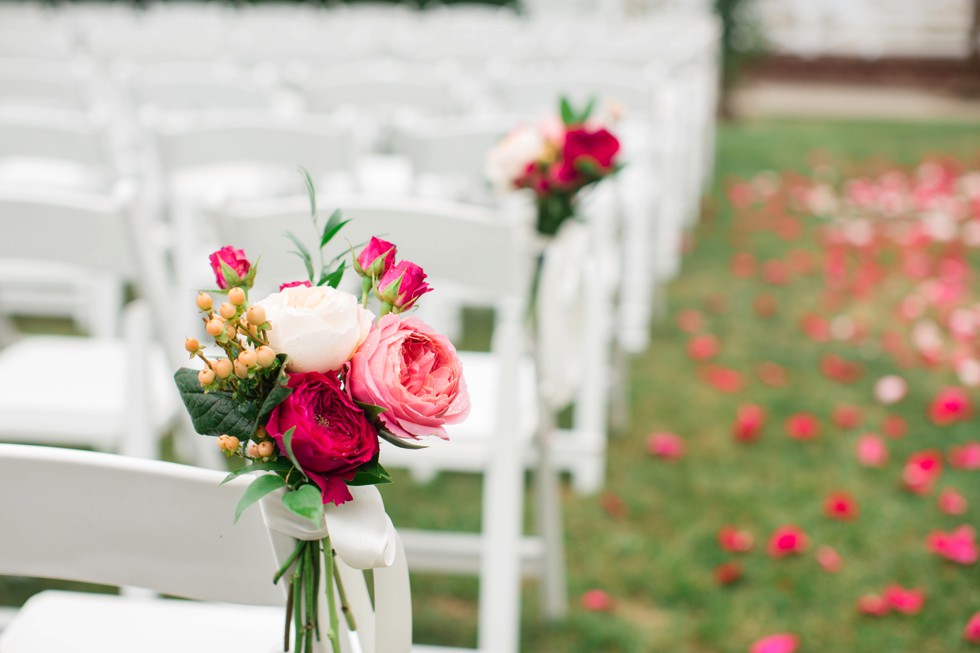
215	413
371	473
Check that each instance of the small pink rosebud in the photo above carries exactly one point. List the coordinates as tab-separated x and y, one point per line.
402	285
375	259
233	258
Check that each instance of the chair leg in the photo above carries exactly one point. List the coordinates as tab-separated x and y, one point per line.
548	514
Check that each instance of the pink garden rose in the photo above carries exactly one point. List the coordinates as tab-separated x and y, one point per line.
332	436
376	258
234	258
403	284
414	374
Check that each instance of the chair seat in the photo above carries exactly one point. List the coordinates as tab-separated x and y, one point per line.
87	378
468	447
66	175
76	622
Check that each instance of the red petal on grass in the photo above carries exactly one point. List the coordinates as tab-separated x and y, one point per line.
894	426
871	451
906	601
971	632
829	559
613	504
775	272
702	348
765	305
952	502
690	320
728	572
786	540
667	446
959	546
772	374
596	600
950	405
847	417
735	540
922	469
841	506
802	426
722	378
778	643
743	265
749	420
966	456
873	605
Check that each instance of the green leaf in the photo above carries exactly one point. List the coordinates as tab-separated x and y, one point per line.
332	279
587	111
281	465
334	224
371	473
305	501
303	253
287	443
401	443
260	487
370	410
310	191
567	113
215	413
278	393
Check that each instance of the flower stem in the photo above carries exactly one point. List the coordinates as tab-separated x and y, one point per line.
328	574
344	607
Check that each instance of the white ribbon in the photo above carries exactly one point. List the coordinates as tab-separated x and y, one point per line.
360	530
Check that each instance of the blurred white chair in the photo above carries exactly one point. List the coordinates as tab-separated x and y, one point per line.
62	84
109	393
112	520
478	253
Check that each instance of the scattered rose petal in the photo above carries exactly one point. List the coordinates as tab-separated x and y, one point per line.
728	572
847	417
665	445
690	320
871	451
613	505
786	540
749	421
735	540
597	601
775	272
829	559
894	426
952	502
922	469
765	305
840	505
837	368
960	546
873	605
971	632
965	456
950	405
701	348
816	328
772	374
890	389
722	378
802	426
778	643
906	601
743	265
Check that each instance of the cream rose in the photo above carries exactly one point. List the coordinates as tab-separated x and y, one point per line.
319	328
508	159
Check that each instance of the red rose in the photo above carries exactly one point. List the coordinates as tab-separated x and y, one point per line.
332	436
585	147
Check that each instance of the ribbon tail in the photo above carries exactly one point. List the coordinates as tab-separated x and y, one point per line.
361	531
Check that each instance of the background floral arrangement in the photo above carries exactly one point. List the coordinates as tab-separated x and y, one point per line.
556	160
309	383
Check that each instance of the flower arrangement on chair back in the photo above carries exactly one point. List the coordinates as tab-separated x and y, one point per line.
309	383
556	160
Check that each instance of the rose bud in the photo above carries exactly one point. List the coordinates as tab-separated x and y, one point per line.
265	356
227	310
204	301
205	376
402	285
247	358
234	259
236	296
375	259
192	345
222	367
255	315
266	448
215	326
241	371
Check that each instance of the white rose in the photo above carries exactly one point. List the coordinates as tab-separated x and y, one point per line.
318	328
508	159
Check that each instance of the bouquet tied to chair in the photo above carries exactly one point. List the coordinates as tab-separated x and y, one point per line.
307	383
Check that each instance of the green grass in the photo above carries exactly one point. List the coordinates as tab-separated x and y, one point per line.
657	559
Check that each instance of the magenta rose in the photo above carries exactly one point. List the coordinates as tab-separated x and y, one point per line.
414	374
234	258
402	285
295	284
597	148
332	436
376	258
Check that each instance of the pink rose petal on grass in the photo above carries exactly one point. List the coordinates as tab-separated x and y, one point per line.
971	632
847	417
829	559
959	546
894	426
786	540
841	506
873	605
749	420
772	374
729	572
950	405
965	456
871	451
702	348
596	600
802	426
665	445
778	643
722	378
906	601
952	502
735	540
890	389
921	470
690	320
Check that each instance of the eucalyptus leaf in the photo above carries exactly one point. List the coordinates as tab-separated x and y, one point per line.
260	487
305	501
332	279
281	465
567	113
215	413
302	253
401	443
310	191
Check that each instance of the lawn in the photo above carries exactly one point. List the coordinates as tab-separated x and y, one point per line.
650	540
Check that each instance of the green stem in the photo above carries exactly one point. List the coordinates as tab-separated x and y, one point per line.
328	574
298	608
289	561
344	607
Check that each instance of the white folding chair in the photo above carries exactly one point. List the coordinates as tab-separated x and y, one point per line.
109	393
485	253
113	520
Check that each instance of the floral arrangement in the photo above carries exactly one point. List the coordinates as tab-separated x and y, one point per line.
309	382
556	160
